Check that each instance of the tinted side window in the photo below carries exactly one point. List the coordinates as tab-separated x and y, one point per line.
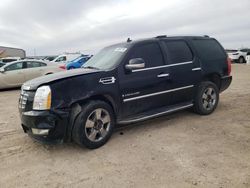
63	58
243	50
15	66
150	53
33	64
209	49
178	51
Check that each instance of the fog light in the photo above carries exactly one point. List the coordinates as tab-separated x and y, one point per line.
40	131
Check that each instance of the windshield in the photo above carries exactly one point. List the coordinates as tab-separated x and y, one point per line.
77	59
107	58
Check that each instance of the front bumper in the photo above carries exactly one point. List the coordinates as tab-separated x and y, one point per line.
225	82
45	126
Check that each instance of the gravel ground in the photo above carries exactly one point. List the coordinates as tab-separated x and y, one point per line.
180	150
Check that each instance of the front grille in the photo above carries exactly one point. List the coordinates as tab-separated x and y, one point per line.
23	99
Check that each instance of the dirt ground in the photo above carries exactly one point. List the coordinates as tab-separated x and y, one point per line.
180	150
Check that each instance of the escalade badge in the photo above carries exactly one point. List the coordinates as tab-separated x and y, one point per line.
107	80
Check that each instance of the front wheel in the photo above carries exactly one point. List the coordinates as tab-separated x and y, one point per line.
94	125
206	98
241	60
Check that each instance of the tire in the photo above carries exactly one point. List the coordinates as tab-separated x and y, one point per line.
241	60
70	68
94	125
206	98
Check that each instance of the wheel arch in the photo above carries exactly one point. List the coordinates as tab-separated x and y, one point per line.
105	98
213	77
76	108
242	56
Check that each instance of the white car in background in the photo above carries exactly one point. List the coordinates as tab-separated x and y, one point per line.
66	57
9	59
238	56
248	58
14	74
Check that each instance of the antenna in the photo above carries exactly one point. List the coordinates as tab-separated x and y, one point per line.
129	40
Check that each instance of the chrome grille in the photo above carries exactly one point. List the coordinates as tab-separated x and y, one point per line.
23	99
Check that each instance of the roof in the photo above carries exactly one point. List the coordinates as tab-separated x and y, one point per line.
131	41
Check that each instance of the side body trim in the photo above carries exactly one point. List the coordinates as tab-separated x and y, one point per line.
157	93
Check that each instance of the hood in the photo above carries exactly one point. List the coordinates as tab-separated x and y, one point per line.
35	83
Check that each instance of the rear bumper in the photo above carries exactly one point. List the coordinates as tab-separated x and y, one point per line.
45	126
225	82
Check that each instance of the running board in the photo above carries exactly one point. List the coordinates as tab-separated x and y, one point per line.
157	114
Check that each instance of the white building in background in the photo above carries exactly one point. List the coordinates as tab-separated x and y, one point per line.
11	52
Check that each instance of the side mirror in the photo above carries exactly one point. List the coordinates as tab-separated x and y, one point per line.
136	63
2	70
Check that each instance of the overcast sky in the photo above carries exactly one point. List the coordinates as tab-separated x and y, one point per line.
55	26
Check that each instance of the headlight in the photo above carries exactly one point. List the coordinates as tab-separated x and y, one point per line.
42	100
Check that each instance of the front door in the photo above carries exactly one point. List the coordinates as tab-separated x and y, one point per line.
144	89
13	75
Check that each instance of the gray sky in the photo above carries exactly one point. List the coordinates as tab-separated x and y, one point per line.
56	26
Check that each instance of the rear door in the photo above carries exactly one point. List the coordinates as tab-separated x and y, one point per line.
144	89
185	70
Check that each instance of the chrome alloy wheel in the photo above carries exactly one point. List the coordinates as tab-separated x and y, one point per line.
209	98
97	125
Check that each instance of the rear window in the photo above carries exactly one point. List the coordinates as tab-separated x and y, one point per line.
209	49
178	52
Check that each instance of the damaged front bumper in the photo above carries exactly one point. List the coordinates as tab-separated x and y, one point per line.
45	126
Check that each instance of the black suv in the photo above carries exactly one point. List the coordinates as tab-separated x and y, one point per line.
125	83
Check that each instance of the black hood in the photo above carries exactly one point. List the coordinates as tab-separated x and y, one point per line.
35	83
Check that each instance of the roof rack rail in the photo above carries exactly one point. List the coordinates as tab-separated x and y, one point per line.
206	36
161	36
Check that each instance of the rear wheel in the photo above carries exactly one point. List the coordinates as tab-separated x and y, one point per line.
206	98
94	125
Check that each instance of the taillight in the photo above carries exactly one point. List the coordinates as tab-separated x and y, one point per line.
229	66
62	67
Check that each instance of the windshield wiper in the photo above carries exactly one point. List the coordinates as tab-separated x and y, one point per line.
90	67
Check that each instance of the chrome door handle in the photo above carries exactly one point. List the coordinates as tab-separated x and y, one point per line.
162	75
196	69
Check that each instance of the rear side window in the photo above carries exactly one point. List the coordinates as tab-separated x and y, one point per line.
33	64
150	53
178	52
209	49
